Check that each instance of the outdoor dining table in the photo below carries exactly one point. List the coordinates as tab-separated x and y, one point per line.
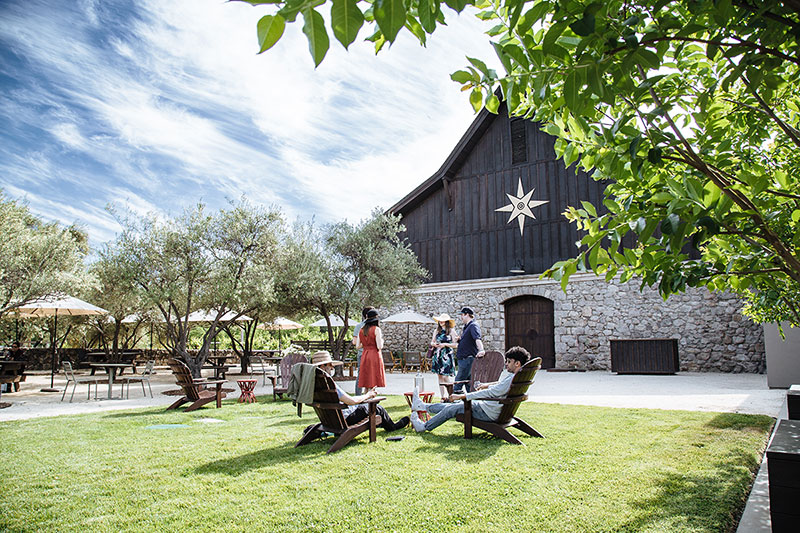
111	370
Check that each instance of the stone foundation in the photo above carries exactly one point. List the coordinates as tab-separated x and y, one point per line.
713	335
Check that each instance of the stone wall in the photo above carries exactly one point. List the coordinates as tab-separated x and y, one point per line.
711	331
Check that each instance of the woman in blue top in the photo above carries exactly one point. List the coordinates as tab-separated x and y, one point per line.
443	342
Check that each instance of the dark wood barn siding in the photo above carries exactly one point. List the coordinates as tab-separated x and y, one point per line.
473	241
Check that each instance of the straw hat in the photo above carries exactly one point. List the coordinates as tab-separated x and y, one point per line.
444	317
323	358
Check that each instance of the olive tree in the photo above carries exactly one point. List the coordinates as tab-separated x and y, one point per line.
337	269
201	261
37	258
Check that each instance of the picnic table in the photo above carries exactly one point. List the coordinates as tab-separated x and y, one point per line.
217	364
111	369
12	372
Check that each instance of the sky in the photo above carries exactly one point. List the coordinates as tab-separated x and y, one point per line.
152	106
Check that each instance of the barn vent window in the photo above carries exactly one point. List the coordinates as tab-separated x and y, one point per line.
519	141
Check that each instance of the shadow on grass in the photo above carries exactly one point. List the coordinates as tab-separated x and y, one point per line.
708	501
284	453
475	450
740	422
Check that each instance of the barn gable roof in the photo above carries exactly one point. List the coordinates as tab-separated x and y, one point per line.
451	165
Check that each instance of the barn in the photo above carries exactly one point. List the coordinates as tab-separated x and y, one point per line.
489	222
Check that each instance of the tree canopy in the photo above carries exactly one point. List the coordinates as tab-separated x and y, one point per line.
218	262
340	268
36	258
688	108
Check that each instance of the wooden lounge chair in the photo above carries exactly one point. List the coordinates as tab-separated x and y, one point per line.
485	369
412	360
389	362
280	383
329	410
194	389
516	395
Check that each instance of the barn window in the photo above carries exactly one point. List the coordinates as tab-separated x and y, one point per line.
519	141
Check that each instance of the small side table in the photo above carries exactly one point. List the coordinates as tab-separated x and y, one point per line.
247	386
425	396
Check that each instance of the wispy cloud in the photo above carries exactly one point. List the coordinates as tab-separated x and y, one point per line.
161	104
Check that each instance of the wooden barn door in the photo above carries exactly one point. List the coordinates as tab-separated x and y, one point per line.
530	324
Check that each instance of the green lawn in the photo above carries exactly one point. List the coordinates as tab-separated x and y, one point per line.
599	469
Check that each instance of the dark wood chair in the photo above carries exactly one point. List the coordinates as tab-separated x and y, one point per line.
507	419
389	362
485	369
411	361
329	411
194	389
280	383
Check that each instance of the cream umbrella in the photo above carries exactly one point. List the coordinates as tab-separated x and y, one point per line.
408	317
55	305
280	324
335	322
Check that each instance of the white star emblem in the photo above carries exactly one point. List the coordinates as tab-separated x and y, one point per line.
521	206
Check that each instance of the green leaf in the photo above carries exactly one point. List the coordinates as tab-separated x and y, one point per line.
427	14
654	156
314	28
589	208
476	99
346	20
492	103
670	224
461	76
390	16
571	95
796	215
584	26
270	29
552	36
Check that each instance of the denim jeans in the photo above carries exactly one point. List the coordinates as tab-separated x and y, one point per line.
463	374
445	411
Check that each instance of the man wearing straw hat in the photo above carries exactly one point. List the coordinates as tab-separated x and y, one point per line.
356	411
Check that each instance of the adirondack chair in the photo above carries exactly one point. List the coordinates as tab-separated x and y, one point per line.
329	410
194	389
389	362
485	369
507	419
412	360
280	383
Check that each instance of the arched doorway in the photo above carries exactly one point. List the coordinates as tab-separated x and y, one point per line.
530	323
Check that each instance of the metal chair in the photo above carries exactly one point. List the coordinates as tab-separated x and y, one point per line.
146	374
71	377
259	365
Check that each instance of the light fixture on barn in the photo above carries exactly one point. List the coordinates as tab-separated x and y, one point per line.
519	268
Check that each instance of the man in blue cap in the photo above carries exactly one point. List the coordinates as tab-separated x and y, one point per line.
470	346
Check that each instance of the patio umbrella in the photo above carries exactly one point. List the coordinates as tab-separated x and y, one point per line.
335	321
280	324
55	305
408	317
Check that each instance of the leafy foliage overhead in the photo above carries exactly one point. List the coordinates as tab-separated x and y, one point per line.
36	258
689	108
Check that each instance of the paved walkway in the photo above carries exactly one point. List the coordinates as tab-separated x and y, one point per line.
740	393
737	393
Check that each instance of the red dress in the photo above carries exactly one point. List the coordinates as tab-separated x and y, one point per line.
370	373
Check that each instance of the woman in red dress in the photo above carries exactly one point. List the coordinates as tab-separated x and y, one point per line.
370	338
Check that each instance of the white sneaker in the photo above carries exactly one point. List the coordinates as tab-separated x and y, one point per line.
416	403
418	424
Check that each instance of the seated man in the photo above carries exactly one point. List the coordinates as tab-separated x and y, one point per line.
516	357
356	411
